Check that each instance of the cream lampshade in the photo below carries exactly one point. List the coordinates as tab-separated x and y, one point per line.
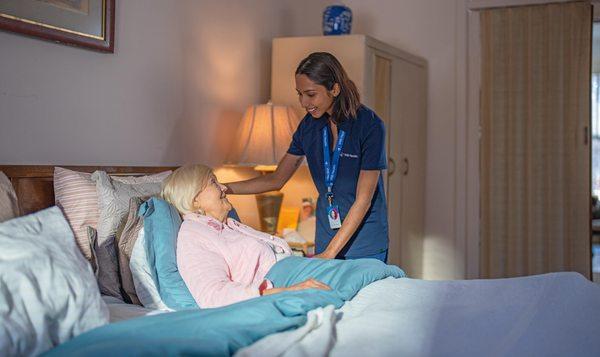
262	139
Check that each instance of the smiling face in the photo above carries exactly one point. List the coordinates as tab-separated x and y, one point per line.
315	98
212	200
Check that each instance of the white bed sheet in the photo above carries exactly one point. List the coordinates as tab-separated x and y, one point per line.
545	315
120	310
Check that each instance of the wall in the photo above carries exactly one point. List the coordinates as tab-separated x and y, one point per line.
178	67
228	67
228	61
67	105
172	93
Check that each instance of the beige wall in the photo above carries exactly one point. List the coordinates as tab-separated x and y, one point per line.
66	105
228	63
181	70
228	67
181	75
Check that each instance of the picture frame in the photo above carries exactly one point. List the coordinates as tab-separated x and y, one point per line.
83	23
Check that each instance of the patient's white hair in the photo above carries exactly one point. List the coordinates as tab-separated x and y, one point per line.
180	188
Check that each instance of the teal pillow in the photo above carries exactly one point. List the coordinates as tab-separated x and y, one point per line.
233	214
161	226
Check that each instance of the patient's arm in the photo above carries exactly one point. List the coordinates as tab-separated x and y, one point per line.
269	182
307	284
206	274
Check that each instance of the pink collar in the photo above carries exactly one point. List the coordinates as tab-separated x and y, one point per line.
209	221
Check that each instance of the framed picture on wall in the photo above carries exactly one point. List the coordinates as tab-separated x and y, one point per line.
84	23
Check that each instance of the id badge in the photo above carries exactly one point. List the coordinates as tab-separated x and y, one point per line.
333	214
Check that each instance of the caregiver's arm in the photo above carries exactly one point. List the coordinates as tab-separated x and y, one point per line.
365	188
269	182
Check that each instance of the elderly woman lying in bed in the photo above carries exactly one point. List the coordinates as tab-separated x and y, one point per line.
221	260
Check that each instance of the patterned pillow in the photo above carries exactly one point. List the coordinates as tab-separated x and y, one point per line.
93	238
113	204
125	242
9	207
75	193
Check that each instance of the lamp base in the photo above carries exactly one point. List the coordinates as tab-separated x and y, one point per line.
269	205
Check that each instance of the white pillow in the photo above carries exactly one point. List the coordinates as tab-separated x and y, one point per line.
48	293
145	285
113	203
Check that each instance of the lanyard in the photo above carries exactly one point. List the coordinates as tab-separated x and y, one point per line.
331	164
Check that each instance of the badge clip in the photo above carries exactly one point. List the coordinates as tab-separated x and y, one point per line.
330	198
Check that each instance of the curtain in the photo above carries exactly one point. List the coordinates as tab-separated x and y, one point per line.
534	145
595	133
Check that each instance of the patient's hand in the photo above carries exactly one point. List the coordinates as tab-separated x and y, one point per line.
307	284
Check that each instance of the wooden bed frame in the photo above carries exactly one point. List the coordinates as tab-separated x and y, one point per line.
34	184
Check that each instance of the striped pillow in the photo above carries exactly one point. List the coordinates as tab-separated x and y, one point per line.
75	193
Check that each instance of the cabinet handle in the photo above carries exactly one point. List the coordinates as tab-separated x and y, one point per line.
392	168
585	135
406	166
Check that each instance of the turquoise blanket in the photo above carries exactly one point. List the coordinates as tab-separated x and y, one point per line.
222	331
345	277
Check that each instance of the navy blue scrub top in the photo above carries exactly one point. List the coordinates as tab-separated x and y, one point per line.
363	149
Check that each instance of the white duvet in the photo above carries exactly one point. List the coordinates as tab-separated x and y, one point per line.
546	315
48	293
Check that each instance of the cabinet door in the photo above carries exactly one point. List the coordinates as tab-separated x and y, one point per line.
380	98
408	138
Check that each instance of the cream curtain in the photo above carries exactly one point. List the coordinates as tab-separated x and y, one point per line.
534	148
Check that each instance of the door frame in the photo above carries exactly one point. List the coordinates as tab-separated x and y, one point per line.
467	203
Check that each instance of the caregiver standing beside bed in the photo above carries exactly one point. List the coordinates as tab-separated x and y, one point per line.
344	145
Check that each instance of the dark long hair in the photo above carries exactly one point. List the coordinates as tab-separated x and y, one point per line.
324	69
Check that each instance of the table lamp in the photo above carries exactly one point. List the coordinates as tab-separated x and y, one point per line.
263	137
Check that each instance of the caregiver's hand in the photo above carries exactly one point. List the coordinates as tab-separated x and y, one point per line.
307	284
325	255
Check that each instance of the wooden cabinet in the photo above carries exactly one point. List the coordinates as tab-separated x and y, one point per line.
394	84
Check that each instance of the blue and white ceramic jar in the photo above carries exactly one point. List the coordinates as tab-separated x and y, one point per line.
337	20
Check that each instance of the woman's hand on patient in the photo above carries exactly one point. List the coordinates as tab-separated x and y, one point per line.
307	284
325	255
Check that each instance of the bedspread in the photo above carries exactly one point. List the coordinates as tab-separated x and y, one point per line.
222	331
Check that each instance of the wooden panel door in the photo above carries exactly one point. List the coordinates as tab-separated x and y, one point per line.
381	97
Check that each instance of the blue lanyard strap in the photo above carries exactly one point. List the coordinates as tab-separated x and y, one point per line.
331	164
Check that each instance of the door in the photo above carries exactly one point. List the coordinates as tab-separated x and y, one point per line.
409	108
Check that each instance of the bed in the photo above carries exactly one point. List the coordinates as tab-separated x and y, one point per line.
551	314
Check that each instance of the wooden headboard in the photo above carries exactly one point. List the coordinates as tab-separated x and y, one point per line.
35	187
